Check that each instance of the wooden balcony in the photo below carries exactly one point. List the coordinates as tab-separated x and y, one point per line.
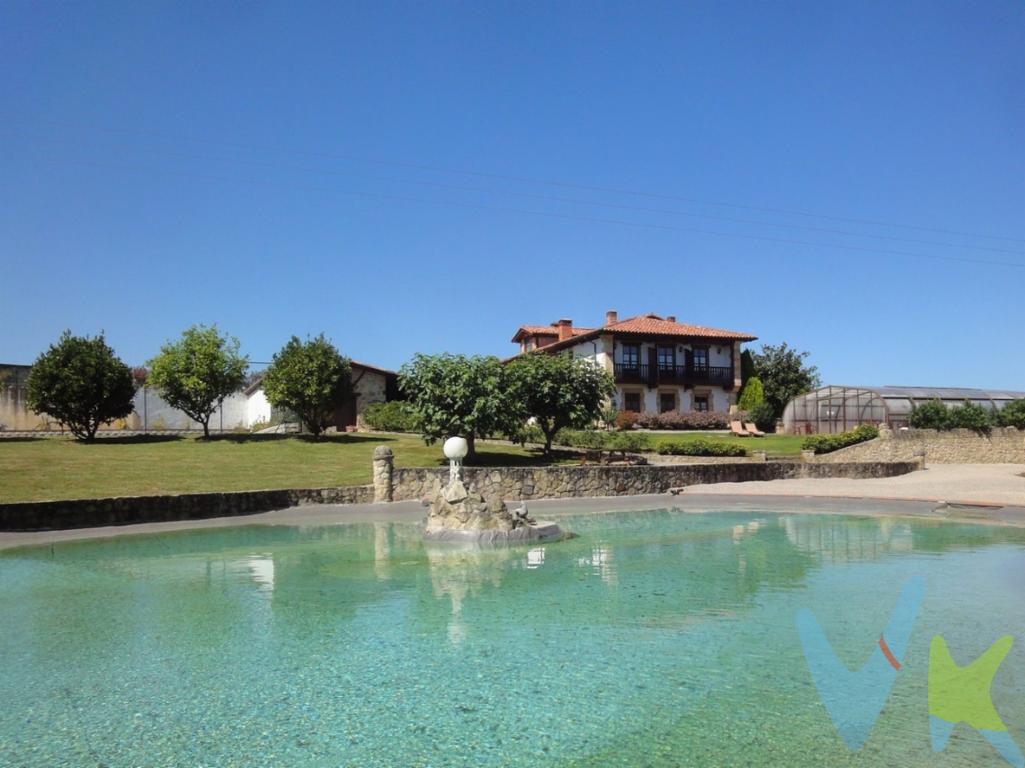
680	375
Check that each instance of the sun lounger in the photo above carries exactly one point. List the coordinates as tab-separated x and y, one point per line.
738	430
752	429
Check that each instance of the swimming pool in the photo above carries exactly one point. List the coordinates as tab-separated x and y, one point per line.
652	638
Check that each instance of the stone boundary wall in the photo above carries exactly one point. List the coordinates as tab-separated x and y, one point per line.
511	483
125	510
518	483
956	446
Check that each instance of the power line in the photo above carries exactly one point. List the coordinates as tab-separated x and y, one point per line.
536	180
547	214
597	203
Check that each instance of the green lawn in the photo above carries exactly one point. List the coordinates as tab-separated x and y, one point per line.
774	445
59	468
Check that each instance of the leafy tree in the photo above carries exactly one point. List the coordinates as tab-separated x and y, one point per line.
931	415
81	383
751	394
763	416
559	392
196	373
969	415
784	375
309	378
455	395
1012	414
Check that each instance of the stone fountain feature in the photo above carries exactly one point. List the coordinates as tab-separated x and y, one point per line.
459	512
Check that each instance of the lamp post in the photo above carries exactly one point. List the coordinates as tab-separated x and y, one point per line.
455	449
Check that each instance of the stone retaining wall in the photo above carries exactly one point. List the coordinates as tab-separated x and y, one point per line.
124	510
516	483
957	446
511	483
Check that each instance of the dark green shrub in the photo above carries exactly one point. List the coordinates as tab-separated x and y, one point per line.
628	442
594	440
396	416
701	448
931	415
970	416
763	416
1012	414
830	443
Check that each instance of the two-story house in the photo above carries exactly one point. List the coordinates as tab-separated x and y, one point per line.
658	363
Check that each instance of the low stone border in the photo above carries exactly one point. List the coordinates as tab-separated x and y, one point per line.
398	484
124	510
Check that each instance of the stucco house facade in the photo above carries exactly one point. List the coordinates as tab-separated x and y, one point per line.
658	363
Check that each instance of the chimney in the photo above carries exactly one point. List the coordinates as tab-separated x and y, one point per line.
671	318
565	329
611	317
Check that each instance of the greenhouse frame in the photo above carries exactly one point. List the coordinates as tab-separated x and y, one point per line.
835	408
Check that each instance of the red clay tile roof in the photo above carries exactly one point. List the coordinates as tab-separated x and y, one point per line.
544	330
658	326
646	325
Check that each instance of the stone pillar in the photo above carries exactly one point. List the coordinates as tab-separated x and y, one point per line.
759	456
384	461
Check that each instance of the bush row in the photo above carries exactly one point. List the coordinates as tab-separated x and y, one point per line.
701	448
936	415
674	420
396	416
830	443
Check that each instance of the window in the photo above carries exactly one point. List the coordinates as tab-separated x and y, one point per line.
700	357
700	402
666	401
666	358
631	356
632	401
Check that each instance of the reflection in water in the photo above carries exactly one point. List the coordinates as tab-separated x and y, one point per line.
261	570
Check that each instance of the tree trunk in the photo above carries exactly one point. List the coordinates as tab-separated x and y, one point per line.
206	427
471	447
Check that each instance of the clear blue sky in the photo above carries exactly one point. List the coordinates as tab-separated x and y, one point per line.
425	177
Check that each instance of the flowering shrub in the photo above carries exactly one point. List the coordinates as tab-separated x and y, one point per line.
685	420
626	419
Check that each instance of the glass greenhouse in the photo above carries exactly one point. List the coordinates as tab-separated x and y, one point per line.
838	409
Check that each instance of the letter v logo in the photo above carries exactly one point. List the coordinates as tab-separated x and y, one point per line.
855	699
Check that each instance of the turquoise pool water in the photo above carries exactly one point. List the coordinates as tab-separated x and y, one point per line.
653	639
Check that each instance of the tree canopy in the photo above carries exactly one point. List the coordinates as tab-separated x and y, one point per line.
196	373
81	383
455	395
309	378
559	392
784	375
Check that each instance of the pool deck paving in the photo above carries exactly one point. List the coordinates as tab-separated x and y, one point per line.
980	493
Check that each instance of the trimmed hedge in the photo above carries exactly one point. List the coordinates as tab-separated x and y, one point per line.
593	440
396	416
700	448
830	443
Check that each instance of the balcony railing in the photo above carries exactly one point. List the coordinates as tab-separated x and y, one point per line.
652	375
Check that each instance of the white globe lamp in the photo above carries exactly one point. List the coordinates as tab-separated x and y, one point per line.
455	449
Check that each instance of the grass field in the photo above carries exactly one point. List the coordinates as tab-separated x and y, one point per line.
774	445
59	468
35	469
